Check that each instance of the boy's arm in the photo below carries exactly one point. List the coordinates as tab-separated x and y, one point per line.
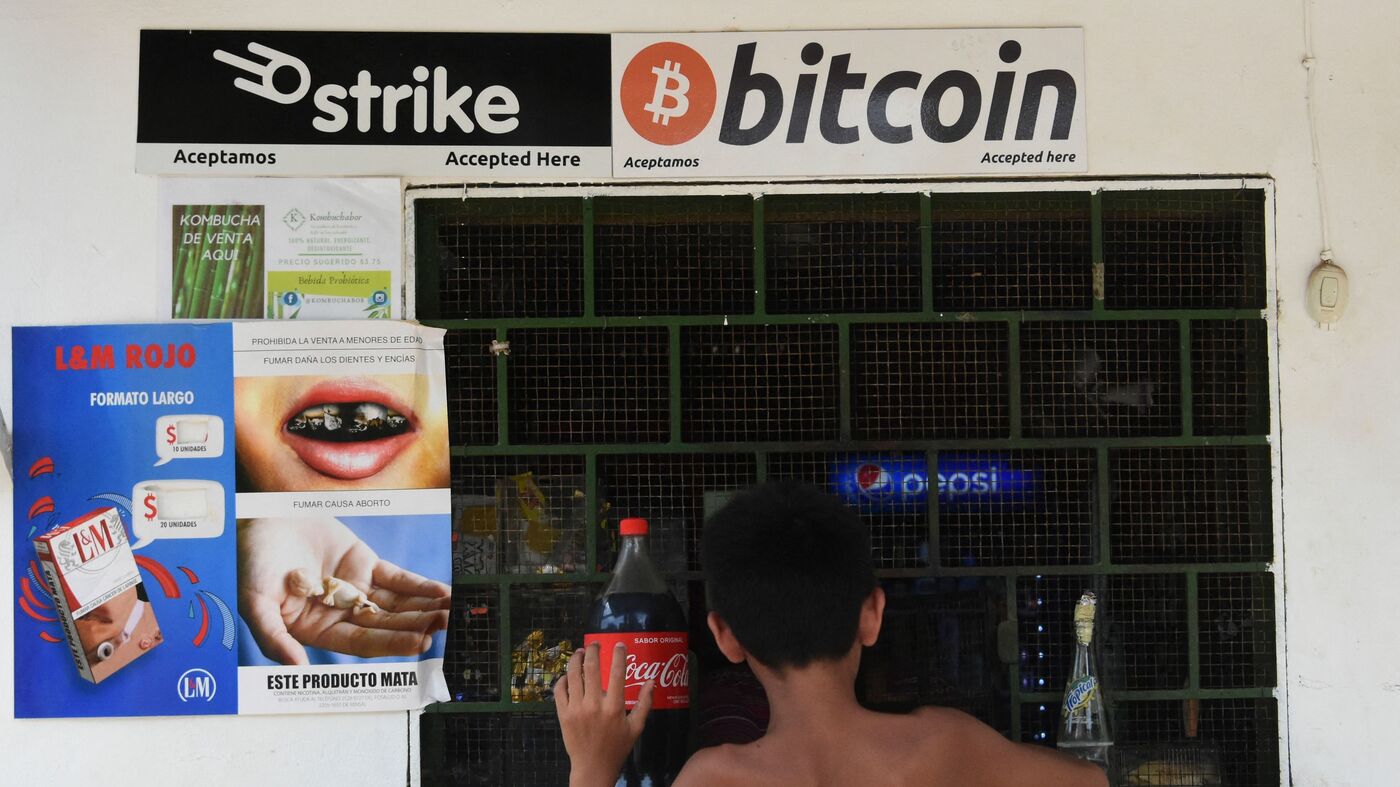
598	730
983	757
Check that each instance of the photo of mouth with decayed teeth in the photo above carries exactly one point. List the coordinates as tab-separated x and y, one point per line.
349	429
348	422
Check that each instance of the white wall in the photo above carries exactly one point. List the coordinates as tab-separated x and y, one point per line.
1173	88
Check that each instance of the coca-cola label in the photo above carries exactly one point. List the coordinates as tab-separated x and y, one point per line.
661	656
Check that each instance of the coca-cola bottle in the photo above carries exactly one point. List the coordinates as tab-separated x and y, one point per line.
639	611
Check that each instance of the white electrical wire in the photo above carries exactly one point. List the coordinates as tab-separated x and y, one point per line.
1310	64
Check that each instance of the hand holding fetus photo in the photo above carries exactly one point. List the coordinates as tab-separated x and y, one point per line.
312	583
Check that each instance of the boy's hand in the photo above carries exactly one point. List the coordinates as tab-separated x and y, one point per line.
598	730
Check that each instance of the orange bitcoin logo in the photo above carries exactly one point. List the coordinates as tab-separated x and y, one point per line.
668	93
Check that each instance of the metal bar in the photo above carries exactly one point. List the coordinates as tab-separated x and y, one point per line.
592	519
1047	697
425	228
760	460
432	745
860	445
490	707
1096	246
606	321
935	545
760	267
505	663
1187	394
1075	569
1105	508
588	306
502	394
1013	670
926	251
674	372
844	361
1013	375
453	191
1141	695
505	580
1193	630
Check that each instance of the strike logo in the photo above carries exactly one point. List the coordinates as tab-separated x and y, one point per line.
668	93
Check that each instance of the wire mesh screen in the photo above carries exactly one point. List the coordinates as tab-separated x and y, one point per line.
682	255
759	382
938	645
1247	732
1001	252
1039	722
842	253
472	661
478	475
668	350
1022	507
929	380
1243	733
546	625
467	750
511	258
1184	249
589	385
1045	643
669	491
543	524
1157	745
1100	379
471	387
1144	631
490	750
535	751
898	522
1237	631
1230	377
1191	505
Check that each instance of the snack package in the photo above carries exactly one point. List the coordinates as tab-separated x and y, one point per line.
97	590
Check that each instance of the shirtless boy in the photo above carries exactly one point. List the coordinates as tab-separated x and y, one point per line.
792	591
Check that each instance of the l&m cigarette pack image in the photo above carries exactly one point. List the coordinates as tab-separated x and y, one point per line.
97	589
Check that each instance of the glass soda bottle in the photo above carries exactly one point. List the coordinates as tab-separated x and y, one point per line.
638	610
1083	719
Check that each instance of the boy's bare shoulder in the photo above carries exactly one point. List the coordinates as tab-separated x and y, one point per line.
904	748
974	753
718	766
946	720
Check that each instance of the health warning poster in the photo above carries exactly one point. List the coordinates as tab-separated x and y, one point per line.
281	248
221	518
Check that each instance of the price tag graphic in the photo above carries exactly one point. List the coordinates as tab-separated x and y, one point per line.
188	437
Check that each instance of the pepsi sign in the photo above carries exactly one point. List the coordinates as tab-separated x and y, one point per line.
892	482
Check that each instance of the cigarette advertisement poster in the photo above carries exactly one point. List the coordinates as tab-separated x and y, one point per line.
219	518
281	248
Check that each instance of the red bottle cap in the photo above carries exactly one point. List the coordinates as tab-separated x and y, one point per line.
633	526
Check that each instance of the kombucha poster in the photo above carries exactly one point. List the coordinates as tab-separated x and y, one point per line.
282	248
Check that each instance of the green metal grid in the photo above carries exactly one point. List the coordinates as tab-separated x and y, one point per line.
995	257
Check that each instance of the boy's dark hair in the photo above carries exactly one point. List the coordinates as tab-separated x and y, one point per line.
788	567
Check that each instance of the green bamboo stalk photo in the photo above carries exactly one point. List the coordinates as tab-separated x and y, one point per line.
217	261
